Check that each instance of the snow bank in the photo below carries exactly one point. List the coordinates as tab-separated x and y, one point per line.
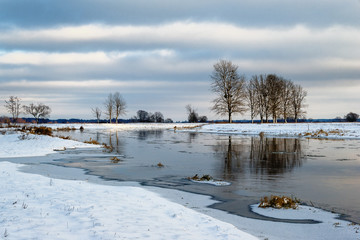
125	126
330	227
34	206
20	145
330	130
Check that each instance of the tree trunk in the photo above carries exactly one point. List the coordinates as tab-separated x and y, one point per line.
230	120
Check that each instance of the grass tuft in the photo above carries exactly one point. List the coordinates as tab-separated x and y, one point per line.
115	159
278	202
92	141
160	165
203	178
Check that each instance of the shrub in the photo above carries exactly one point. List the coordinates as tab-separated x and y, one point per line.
41	131
351	117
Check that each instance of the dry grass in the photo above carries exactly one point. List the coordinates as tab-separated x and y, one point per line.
65	138
188	127
37	130
108	147
115	159
279	202
66	129
322	132
91	141
160	165
203	178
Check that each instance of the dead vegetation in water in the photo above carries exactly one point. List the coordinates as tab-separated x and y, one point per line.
66	129
92	141
205	177
160	165
108	147
115	159
188	127
279	202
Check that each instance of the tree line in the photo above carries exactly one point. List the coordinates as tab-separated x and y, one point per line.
265	96
15	108
115	106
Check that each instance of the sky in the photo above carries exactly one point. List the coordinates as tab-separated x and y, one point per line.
159	54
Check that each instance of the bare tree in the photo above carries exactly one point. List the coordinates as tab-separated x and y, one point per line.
159	117
230	89
13	106
142	116
251	98
262	94
97	113
298	102
38	111
193	117
286	94
109	106
274	87
119	105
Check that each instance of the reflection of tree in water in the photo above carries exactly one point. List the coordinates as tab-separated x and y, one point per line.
116	143
145	134
233	155
265	156
273	156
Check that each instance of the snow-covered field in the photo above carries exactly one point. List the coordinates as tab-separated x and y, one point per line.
316	130
37	207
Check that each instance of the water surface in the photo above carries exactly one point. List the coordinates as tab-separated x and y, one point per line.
323	173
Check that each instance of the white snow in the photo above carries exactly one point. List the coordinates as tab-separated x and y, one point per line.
333	130
212	182
36	207
125	126
35	145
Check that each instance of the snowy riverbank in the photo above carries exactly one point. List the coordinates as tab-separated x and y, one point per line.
35	206
314	130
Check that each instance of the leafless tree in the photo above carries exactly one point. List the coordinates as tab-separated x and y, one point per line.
193	117
274	87
286	95
13	106
119	105
298	102
252	97
262	92
38	111
97	113
109	106
159	117
229	87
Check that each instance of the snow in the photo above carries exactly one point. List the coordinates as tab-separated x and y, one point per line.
212	182
37	207
35	145
330	130
125	126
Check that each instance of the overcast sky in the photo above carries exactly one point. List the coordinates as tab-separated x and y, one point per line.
159	54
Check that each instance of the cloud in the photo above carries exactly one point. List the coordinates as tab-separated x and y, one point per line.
45	58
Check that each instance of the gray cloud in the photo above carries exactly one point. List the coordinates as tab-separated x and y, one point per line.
40	13
71	54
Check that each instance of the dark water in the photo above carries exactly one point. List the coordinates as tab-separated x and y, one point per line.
323	173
